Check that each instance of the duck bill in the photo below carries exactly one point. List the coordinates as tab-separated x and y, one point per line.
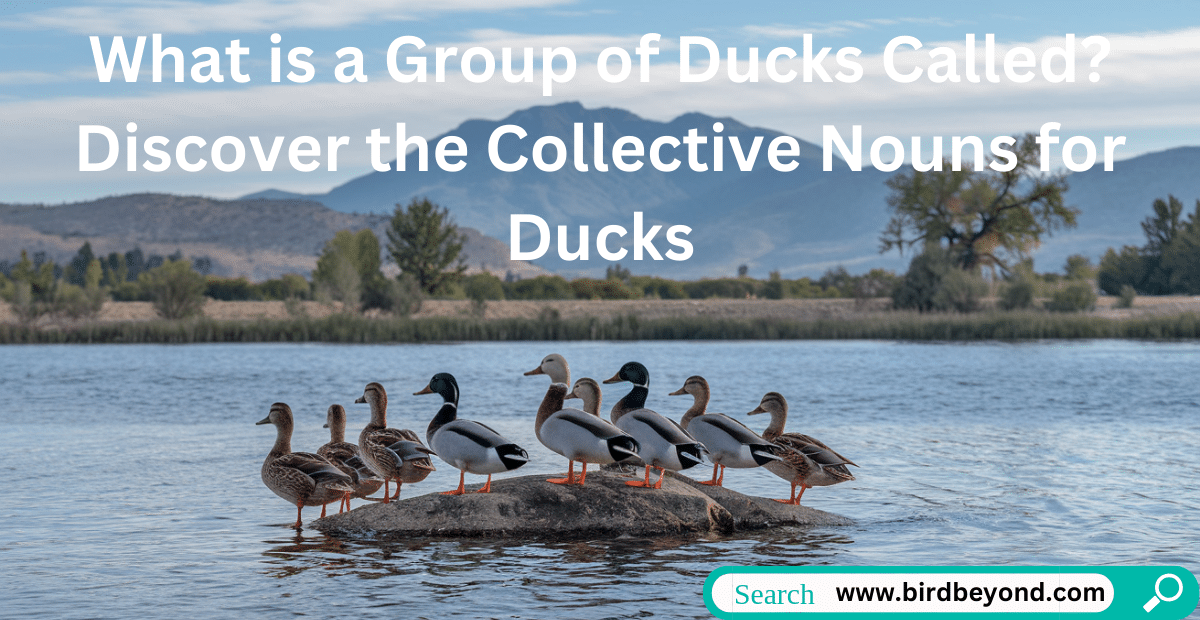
614	379
424	391
571	395
361	399
266	420
679	392
536	371
757	409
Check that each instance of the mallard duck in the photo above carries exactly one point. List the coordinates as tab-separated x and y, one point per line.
664	444
574	433
391	453
807	463
587	390
301	478
344	455
467	445
729	442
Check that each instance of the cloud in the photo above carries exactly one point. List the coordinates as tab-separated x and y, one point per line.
191	17
840	28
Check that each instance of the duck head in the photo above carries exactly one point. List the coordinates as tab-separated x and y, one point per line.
589	391
773	403
335	421
280	416
442	383
374	395
632	372
695	385
556	367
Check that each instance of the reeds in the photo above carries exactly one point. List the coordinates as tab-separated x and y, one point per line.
343	328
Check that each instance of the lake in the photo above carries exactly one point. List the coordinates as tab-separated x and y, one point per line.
132	471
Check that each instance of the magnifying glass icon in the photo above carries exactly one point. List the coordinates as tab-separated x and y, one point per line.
1158	595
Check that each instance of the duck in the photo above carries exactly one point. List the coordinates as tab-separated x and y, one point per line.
664	444
807	462
574	433
729	442
301	478
344	455
587	390
467	445
393	454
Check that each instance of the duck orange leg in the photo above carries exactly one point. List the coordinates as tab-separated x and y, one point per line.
714	482
323	510
461	480
299	509
640	483
386	496
583	475
398	483
802	489
791	499
570	479
662	471
487	487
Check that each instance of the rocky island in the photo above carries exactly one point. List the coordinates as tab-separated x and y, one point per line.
528	506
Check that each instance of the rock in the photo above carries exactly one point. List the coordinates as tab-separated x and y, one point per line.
529	506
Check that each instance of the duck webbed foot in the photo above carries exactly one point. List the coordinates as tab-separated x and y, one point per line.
570	479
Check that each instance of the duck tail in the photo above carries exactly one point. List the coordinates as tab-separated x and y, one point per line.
690	454
512	455
765	453
622	447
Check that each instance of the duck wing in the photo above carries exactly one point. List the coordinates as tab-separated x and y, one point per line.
318	469
820	452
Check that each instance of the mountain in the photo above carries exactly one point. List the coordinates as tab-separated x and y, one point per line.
800	222
258	239
1114	203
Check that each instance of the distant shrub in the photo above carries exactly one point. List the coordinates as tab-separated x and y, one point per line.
1017	294
1075	297
541	287
921	282
128	291
660	288
1127	296
231	289
483	286
732	288
176	290
285	287
587	288
960	291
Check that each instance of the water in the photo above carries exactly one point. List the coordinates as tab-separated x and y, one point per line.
131	473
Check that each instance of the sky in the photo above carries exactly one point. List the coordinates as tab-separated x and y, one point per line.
49	83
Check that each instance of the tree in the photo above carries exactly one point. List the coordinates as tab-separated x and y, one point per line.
983	217
349	271
426	244
176	290
1168	263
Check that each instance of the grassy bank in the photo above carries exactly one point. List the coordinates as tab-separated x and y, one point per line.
355	329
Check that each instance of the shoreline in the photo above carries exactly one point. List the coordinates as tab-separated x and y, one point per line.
571	320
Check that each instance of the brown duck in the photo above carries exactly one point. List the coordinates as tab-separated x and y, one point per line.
807	463
302	478
393	454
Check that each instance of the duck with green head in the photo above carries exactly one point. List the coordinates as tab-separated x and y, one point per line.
664	444
467	445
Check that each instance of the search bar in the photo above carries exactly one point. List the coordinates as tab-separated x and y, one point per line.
952	591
